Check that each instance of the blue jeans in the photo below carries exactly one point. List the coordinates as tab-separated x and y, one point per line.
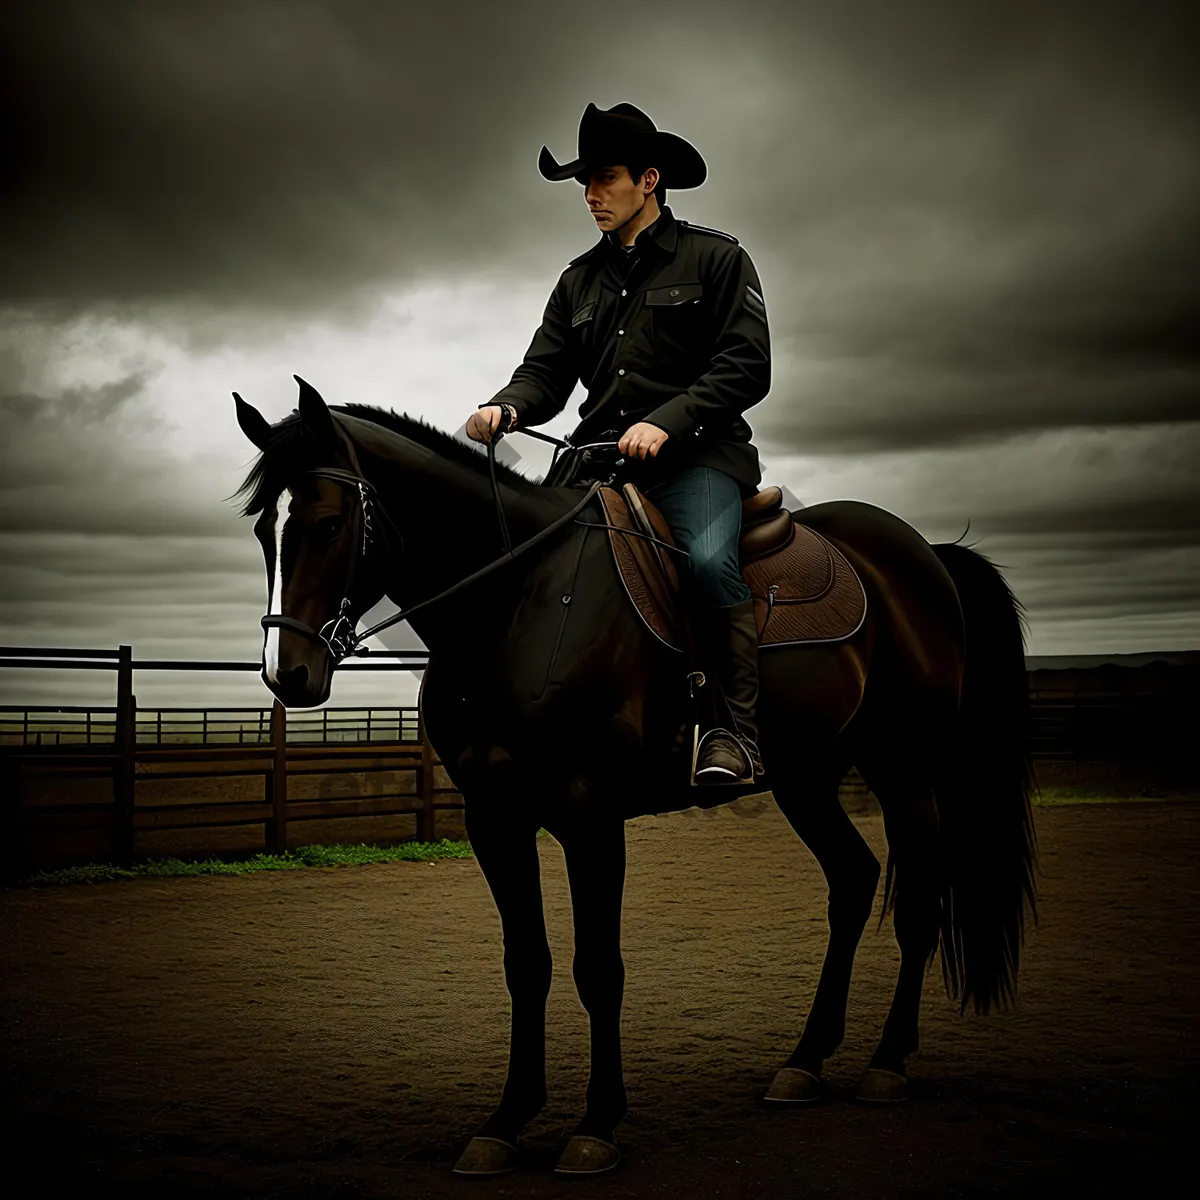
703	507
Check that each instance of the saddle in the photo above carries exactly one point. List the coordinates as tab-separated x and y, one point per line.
804	588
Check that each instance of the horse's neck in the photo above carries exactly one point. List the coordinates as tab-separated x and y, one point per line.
446	512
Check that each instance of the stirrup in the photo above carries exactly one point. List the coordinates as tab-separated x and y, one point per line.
753	752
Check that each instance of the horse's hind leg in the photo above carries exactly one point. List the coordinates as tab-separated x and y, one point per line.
911	823
852	873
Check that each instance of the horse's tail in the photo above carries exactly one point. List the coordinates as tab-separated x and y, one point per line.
989	846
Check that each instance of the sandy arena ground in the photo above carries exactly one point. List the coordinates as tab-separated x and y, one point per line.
341	1032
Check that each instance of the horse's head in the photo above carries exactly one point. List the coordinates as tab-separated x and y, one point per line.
320	578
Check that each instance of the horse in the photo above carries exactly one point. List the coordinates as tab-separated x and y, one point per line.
551	705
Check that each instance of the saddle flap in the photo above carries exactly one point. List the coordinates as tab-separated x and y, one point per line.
652	586
803	572
809	591
652	521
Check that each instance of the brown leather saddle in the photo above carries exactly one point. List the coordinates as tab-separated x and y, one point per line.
804	588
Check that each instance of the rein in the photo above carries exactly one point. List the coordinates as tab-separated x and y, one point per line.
339	634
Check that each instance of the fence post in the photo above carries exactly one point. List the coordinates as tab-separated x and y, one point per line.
277	781
14	863
426	817
126	750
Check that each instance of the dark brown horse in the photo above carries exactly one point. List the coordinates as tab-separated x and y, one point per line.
551	705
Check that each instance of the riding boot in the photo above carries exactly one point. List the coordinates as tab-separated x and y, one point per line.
730	648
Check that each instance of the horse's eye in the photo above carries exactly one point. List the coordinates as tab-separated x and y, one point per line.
328	528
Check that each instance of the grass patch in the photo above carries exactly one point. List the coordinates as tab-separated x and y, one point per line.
292	860
1058	797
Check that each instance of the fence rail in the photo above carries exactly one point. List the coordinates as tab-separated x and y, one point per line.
1064	726
64	725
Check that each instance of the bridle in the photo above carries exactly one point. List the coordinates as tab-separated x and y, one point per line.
338	634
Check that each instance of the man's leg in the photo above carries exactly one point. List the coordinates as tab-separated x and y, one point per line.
703	507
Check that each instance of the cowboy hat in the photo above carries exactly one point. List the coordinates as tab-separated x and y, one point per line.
608	135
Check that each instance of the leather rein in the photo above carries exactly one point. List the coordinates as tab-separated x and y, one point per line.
339	634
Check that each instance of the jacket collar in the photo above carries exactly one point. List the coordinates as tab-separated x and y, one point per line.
659	238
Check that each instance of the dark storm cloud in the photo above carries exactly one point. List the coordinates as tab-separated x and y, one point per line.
78	405
293	150
87	460
974	223
107	536
261	151
860	406
987	210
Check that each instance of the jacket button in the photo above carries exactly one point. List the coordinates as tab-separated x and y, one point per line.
620	333
674	291
624	292
621	371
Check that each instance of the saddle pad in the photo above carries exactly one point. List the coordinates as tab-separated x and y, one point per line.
806	592
817	596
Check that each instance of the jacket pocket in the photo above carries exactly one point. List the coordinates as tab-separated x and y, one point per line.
583	313
673	295
677	323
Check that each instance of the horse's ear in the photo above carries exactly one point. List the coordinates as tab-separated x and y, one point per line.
254	425
314	412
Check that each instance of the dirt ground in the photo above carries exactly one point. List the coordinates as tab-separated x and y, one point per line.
341	1032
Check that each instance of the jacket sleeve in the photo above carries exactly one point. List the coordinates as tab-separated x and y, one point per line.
541	386
740	373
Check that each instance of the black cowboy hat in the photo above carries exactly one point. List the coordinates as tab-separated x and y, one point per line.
610	135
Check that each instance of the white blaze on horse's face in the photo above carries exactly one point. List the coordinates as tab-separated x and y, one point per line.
271	652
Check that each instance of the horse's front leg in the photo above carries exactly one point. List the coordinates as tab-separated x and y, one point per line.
593	842
505	845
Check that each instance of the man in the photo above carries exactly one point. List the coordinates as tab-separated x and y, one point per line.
665	324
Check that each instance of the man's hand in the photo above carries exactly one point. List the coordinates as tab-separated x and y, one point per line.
483	422
641	439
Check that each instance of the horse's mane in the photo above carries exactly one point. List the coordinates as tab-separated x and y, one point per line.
293	449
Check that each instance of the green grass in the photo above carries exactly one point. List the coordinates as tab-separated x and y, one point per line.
355	855
292	860
1057	797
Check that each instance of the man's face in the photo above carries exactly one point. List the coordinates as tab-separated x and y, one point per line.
613	198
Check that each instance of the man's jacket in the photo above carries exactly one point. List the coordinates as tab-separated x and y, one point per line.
673	332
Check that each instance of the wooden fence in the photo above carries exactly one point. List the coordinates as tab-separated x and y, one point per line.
87	802
80	784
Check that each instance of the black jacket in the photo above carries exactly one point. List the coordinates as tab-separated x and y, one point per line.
673	332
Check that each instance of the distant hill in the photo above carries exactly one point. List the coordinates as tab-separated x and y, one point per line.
1078	662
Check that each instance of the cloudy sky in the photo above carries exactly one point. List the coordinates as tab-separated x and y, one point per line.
975	225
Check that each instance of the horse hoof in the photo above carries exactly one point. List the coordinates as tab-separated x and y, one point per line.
792	1085
587	1155
882	1087
486	1156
